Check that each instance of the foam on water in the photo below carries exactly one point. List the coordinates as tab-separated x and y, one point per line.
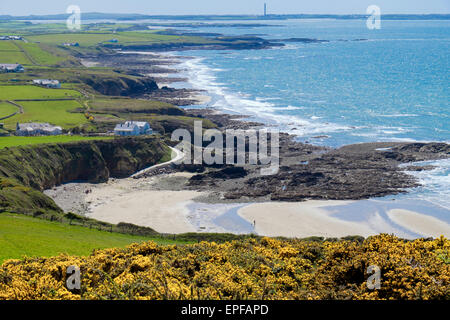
203	77
392	87
435	183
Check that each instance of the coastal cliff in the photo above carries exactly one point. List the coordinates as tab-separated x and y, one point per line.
26	171
120	86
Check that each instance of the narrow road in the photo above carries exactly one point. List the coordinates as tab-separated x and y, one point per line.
178	156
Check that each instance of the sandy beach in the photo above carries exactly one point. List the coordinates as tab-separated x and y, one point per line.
301	219
148	202
422	224
164	211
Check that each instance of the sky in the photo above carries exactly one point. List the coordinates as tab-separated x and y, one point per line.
178	7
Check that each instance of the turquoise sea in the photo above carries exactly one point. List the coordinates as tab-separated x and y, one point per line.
363	85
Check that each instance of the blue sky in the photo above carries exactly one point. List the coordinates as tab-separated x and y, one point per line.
26	7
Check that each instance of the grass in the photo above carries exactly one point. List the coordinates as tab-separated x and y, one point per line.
14	57
39	55
26	236
30	53
7	109
24	92
54	112
7	46
13	141
133	106
93	38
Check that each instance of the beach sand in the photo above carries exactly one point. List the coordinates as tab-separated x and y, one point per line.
301	219
424	225
163	211
148	202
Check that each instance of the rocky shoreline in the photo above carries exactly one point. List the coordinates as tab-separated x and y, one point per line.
308	172
352	172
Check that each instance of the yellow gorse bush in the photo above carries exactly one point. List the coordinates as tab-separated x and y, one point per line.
250	269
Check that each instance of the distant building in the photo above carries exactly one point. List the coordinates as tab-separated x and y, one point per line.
37	129
8	67
71	44
47	83
11	38
133	128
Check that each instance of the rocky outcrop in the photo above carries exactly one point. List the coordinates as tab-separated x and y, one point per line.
120	86
353	172
218	43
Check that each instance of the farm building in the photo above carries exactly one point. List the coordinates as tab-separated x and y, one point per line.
71	44
133	128
37	129
47	83
8	67
10	38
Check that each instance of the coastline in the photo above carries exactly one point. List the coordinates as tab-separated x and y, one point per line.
200	208
148	202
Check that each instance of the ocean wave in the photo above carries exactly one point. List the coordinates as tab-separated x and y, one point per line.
203	77
435	184
398	115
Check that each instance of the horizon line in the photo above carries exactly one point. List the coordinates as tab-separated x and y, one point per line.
225	14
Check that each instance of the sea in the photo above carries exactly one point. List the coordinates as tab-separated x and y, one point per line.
362	85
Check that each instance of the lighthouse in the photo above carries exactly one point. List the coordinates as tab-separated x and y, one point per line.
265	9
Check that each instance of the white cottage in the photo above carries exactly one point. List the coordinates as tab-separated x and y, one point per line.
11	67
47	83
133	128
37	129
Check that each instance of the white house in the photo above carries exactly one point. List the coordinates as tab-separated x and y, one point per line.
10	38
133	128
71	44
11	67
47	83
37	129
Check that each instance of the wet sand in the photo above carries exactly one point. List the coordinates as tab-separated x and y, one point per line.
301	219
159	202
422	224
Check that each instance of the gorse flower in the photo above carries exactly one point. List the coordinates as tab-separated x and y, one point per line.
251	269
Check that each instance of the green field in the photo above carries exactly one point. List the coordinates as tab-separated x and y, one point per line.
132	106
7	46
14	57
21	92
54	112
7	109
38	55
11	53
92	39
13	141
27	54
26	236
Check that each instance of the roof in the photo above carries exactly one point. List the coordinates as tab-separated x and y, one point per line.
46	81
35	125
125	127
10	65
137	123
